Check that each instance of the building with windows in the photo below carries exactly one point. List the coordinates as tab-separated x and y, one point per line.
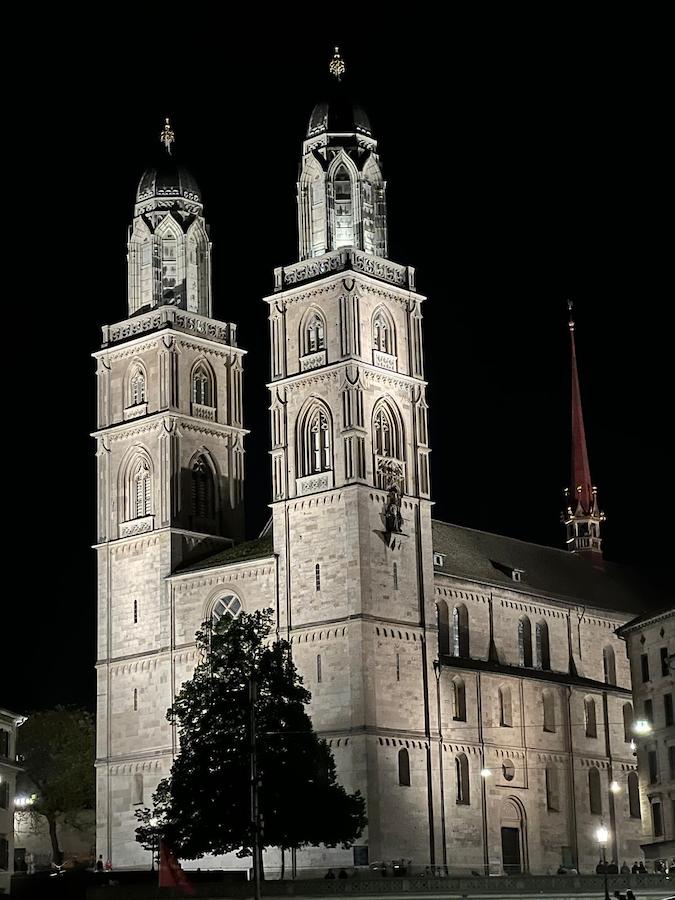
9	722
470	685
650	644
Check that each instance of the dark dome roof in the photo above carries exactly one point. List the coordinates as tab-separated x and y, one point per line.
338	115
168	179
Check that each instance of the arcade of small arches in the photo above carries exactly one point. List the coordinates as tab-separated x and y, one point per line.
313	331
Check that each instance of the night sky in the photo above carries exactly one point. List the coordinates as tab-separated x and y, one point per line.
520	173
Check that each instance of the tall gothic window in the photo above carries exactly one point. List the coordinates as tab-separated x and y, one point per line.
590	718
543	650
460	631
387	438
142	489
634	796
344	208
203	493
137	392
383	332
403	767
548	705
627	722
315	442
314	333
609	665
552	789
505	707
462	776
594	791
202	385
459	699
226	608
525	642
443	627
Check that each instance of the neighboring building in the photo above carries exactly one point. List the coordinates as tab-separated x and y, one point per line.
650	645
9	722
434	653
33	843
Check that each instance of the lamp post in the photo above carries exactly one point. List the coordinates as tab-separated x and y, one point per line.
602	836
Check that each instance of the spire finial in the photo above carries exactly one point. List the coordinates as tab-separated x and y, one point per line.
570	309
337	65
167	137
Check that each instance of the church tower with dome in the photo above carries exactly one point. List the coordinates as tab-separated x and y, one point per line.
170	481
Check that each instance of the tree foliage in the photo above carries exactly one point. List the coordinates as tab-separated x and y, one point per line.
204	806
57	748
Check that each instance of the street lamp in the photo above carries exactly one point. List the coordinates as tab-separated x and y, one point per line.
642	726
615	787
485	773
602	836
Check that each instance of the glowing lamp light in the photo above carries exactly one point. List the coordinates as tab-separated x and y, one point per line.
642	726
602	835
485	773
22	801
154	822
614	787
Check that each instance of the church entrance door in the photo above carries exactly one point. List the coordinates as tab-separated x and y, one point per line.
511	851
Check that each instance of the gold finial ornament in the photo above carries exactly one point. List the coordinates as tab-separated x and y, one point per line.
570	309
337	64
167	137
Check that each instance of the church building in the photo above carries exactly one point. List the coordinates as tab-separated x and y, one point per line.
470	685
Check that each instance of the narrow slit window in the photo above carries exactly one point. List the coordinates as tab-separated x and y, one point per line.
317	576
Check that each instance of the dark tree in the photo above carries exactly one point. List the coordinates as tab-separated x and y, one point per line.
204	806
57	749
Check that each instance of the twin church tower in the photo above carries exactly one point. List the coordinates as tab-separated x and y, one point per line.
351	563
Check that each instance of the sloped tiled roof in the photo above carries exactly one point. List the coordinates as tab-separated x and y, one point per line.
559	574
257	549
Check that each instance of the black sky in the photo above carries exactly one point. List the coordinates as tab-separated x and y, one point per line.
523	168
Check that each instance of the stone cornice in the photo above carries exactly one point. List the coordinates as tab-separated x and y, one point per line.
329	372
155	420
161	530
327	283
208	572
166	319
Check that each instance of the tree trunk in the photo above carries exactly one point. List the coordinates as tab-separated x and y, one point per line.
262	865
283	865
57	855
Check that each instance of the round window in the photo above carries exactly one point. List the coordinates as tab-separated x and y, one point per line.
508	770
227	607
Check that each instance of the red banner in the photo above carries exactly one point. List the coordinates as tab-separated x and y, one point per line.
170	872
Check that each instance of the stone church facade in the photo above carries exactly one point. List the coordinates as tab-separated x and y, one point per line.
471	686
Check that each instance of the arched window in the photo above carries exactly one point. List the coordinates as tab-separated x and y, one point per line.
203	493
505	708
627	722
609	665
203	391
315	441
543	651
384	334
634	796
462	774
142	489
318	668
225	609
344	208
403	767
443	627
552	788
135	698
594	791
137	792
525	642
169	260
460	631
590	718
459	699
313	333
387	437
548	704
136	391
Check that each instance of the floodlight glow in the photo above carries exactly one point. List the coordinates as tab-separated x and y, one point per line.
642	726
602	835
614	787
485	773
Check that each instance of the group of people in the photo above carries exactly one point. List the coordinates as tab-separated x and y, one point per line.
661	867
330	874
103	866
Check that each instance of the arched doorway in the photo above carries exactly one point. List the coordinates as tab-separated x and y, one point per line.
514	839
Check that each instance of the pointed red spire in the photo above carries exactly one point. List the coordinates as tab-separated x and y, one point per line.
581	487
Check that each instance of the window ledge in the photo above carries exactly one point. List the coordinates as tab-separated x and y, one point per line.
137	526
313	361
199	411
384	360
310	484
135	412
